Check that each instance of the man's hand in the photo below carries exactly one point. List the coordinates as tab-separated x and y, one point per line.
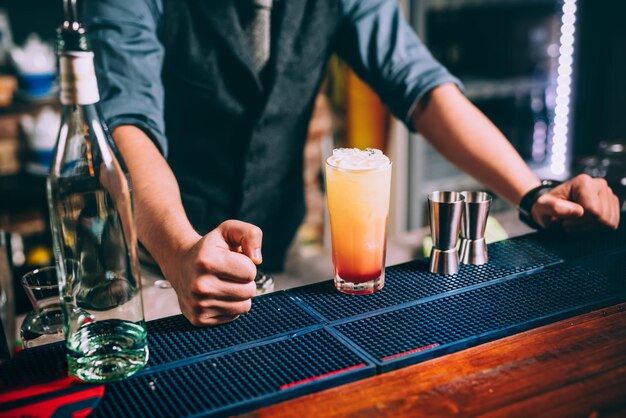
578	204
214	277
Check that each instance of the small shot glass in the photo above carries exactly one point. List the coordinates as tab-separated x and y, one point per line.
445	209
474	220
44	324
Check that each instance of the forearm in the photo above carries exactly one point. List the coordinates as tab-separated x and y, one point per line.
464	135
162	224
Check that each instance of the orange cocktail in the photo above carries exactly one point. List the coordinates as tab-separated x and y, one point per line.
358	186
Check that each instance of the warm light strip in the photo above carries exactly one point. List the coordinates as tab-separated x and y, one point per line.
563	89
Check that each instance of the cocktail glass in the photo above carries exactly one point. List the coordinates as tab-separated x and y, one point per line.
358	204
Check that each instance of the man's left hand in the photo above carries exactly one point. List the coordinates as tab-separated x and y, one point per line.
579	204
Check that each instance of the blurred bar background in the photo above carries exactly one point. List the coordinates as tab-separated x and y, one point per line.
549	73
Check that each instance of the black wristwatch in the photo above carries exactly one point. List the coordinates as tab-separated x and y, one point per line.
529	199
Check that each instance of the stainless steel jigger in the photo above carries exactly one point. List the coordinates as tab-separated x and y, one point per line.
445	220
473	222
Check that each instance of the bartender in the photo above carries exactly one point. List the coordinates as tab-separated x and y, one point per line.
209	102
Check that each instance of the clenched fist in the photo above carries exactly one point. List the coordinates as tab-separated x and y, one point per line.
214	277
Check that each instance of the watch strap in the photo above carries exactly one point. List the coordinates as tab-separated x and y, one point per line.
529	200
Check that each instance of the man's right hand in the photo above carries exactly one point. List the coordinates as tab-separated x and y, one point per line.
214	276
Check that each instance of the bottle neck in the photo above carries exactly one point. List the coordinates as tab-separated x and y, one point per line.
79	85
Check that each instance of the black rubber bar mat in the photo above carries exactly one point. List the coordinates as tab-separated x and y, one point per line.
410	282
174	338
450	323
234	382
575	246
34	366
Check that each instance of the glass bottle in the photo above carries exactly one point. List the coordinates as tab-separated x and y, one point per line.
94	235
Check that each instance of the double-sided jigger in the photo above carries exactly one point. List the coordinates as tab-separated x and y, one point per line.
473	223
445	210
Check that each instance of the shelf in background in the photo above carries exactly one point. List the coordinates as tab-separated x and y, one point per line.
23	204
459	4
494	89
20	107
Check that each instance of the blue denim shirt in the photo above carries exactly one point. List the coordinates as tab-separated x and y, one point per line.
376	42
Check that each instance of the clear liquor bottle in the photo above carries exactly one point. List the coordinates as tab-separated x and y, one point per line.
94	235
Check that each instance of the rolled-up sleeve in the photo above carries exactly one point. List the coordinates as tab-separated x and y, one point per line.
129	59
380	46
